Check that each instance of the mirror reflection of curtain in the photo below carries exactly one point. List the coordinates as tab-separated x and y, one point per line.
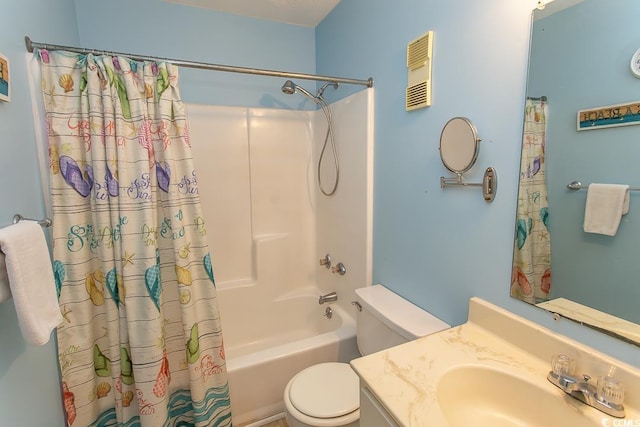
531	276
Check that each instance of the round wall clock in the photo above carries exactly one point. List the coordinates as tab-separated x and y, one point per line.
635	64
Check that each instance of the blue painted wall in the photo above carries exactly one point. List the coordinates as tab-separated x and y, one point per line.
205	36
440	247
573	81
29	384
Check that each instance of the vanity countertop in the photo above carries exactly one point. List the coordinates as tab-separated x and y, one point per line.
404	378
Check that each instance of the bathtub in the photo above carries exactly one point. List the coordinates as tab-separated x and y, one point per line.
267	344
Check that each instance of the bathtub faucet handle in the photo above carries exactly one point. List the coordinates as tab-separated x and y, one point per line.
331	297
328	312
340	269
326	261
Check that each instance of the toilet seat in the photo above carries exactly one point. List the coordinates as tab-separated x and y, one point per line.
326	390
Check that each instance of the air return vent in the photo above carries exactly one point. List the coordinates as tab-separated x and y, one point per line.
419	57
418	96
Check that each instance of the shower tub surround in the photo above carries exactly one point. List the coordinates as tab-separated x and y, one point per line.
268	225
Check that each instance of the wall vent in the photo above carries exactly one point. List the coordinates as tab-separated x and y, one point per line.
418	96
419	58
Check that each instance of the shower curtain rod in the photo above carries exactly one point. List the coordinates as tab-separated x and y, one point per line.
201	65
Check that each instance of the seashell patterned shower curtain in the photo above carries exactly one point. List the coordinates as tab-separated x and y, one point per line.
531	275
141	342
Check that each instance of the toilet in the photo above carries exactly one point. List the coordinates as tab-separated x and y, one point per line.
328	394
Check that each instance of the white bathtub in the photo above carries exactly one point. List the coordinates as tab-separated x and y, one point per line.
267	344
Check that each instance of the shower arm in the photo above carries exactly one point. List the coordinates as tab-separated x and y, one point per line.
324	86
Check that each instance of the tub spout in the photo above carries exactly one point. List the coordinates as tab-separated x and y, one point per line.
328	298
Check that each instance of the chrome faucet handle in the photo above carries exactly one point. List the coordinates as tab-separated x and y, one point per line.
340	269
326	261
328	312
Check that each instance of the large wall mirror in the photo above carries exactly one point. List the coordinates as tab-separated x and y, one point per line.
580	58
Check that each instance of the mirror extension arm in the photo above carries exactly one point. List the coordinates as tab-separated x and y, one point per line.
489	183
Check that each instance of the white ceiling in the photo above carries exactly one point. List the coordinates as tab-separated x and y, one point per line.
307	13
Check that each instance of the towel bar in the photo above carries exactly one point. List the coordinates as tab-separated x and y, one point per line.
46	222
577	185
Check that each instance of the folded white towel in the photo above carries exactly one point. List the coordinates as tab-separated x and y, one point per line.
606	203
31	280
5	290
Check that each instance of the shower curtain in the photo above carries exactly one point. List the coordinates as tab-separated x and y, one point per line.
141	342
531	276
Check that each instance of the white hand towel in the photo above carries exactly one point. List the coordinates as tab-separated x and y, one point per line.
31	280
5	290
606	203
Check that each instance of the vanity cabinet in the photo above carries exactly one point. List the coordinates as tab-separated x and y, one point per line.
372	413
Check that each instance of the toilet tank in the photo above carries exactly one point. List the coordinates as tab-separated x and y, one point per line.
387	320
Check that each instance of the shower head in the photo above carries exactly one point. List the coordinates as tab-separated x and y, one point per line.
290	88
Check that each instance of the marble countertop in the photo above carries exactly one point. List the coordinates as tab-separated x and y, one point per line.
404	378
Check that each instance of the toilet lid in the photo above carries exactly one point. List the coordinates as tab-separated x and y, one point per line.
326	390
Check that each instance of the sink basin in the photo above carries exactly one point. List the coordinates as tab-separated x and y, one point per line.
473	395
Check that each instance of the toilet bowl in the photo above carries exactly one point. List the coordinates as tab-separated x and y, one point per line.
328	394
323	395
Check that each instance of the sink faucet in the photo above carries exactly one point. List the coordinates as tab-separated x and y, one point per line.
586	392
328	298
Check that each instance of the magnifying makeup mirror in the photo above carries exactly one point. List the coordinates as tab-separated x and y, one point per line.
459	147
